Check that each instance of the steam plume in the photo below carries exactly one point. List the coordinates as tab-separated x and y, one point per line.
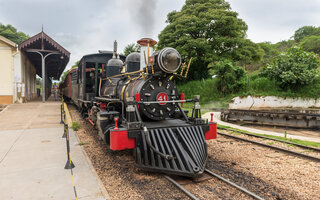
143	14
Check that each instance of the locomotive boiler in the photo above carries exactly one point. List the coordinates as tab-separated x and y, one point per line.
136	105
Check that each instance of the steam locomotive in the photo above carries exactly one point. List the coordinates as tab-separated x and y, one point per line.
136	106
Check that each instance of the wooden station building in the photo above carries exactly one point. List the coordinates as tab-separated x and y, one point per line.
19	64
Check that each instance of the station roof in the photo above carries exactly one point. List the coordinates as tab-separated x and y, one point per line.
55	63
7	41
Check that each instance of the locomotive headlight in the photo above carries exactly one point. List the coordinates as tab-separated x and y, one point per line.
169	60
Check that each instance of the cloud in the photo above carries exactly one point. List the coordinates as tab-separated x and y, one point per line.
274	20
84	27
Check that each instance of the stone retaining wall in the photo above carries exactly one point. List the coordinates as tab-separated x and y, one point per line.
272	102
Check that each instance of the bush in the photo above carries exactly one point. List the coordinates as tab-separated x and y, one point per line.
230	78
293	69
262	84
205	88
311	43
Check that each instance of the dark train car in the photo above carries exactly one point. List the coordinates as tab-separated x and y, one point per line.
81	84
136	105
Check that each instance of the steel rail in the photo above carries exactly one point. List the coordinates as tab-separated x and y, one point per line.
264	137
270	112
312	158
233	184
189	194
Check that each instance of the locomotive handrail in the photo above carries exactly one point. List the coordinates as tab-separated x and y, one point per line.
172	101
106	99
128	73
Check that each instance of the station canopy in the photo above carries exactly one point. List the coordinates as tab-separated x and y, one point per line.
55	63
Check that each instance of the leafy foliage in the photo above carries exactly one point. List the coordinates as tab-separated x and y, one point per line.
311	43
293	69
131	48
230	78
11	33
66	72
208	31
205	88
305	31
269	51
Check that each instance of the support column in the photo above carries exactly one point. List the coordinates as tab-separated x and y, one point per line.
43	80
43	66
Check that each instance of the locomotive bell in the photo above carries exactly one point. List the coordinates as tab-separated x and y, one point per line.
167	60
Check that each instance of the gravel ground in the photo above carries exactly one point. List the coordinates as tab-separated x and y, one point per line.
291	131
275	143
268	173
117	172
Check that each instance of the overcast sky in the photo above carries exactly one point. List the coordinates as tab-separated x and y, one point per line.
84	27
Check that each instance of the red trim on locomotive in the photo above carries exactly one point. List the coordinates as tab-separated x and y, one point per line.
137	97
182	97
162	96
91	122
212	132
103	106
119	140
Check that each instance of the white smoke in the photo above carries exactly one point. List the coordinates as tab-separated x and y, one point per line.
142	13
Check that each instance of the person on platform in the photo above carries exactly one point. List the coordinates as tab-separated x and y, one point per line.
55	91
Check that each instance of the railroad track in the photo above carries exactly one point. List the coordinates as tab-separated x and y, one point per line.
283	118
192	196
305	156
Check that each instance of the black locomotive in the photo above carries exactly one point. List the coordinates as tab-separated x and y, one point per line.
136	105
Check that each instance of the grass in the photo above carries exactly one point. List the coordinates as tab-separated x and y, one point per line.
75	126
210	97
261	86
188	106
82	143
270	143
296	141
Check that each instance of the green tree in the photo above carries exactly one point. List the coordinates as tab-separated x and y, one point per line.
293	69
230	78
270	51
67	71
131	48
11	33
305	31
284	45
311	43
207	31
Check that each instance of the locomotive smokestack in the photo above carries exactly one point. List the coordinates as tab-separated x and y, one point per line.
115	49
144	43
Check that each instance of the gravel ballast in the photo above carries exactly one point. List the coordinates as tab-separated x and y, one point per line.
270	174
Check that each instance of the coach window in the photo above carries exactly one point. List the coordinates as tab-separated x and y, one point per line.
90	77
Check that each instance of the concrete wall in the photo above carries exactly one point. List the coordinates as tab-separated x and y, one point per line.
272	102
17	76
29	78
6	75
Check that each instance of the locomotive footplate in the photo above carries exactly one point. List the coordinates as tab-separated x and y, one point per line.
172	150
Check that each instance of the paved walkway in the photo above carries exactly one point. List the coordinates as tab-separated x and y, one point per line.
253	130
33	156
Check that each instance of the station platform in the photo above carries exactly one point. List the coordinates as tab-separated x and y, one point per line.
217	118
33	155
